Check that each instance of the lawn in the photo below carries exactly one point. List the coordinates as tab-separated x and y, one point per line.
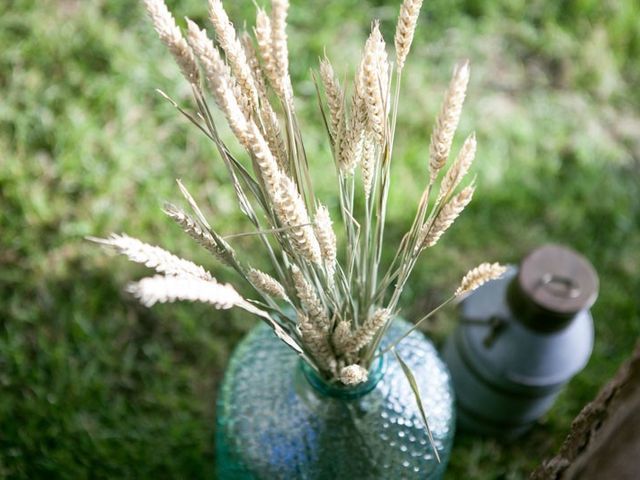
94	385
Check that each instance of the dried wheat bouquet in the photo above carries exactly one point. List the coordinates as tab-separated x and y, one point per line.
332	308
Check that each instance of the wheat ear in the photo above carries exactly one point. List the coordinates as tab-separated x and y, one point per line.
326	238
309	300
287	202
162	289
235	54
267	284
433	230
374	78
279	50
352	142
220	81
317	342
353	375
218	248
335	99
365	333
262	32
479	276
447	121
460	167
153	257
341	336
406	27
268	117
368	163
170	35
292	212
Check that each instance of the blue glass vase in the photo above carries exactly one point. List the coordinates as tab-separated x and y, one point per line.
278	420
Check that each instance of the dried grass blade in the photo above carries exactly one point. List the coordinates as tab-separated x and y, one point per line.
416	391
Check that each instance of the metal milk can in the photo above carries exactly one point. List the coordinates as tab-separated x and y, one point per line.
520	340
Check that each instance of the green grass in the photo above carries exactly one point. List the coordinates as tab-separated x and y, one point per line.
93	385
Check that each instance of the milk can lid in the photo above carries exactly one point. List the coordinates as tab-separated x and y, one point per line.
558	280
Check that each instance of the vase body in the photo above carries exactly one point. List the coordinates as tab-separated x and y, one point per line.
274	423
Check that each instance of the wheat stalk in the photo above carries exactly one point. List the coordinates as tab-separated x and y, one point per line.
405	29
479	276
169	33
343	310
447	121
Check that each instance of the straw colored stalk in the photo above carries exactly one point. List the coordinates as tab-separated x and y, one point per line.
326	238
235	54
479	276
279	50
434	229
153	257
162	289
170	35
447	121
220	81
267	284
218	248
310	301
460	167
335	100
405	29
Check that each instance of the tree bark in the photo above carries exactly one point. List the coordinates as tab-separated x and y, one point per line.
604	441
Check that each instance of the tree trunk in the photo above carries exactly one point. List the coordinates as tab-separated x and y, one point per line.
604	441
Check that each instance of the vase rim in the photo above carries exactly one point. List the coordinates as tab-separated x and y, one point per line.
336	390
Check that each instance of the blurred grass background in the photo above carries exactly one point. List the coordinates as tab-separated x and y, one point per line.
93	385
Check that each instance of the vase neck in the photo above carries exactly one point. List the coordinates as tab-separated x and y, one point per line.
337	390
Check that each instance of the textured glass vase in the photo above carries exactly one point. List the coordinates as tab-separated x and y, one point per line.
278	420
